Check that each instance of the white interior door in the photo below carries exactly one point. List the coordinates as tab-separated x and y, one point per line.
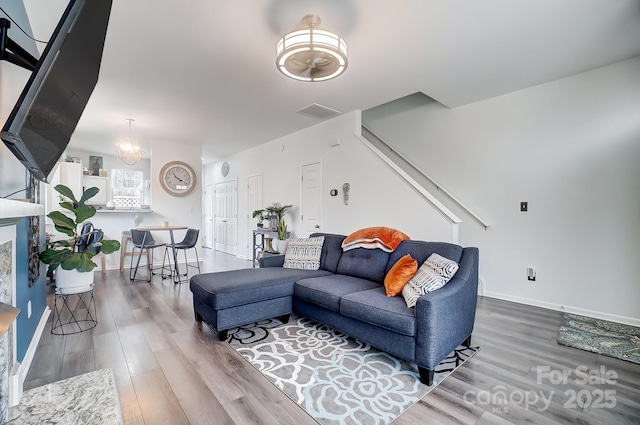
208	217
226	217
311	203
254	202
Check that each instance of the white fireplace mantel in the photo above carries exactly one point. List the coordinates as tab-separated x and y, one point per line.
11	211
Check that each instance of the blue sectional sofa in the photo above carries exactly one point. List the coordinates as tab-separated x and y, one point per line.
347	293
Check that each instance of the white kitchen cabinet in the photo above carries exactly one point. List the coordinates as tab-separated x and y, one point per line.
101	183
68	174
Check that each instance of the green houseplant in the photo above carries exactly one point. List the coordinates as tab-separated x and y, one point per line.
278	211
259	214
281	228
68	254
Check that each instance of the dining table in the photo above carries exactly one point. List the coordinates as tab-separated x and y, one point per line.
170	229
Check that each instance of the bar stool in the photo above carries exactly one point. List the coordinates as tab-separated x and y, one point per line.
126	237
142	241
189	242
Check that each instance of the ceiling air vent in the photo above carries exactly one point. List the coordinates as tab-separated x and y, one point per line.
318	111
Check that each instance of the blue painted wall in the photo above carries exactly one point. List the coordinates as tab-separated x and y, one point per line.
26	327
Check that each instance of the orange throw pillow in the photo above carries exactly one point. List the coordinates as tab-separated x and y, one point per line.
398	276
384	238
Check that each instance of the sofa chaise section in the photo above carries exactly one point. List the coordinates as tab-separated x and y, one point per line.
233	298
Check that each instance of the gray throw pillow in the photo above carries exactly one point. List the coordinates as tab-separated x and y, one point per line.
434	273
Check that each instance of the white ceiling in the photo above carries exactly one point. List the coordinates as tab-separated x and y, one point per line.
202	72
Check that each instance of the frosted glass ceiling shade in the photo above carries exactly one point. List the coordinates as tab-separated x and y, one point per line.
129	151
311	54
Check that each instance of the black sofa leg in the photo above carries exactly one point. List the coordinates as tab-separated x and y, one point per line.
198	316
426	376
222	335
284	318
467	342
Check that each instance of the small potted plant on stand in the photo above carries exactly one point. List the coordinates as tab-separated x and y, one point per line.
259	214
71	258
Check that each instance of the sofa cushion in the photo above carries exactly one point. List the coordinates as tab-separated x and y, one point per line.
364	263
303	253
374	307
421	250
399	275
326	291
238	287
331	251
433	274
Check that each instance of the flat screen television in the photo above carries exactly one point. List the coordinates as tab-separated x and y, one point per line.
51	104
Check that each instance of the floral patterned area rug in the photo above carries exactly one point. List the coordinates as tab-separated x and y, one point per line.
335	378
600	336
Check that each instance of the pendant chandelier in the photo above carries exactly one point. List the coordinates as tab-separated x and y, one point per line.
129	151
310	54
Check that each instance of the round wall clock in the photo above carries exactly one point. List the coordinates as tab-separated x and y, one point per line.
225	169
177	178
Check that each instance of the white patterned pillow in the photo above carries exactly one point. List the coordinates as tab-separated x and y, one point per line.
303	253
434	273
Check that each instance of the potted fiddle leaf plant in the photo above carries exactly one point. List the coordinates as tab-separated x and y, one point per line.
71	258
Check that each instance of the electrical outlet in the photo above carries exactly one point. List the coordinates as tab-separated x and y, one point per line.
524	206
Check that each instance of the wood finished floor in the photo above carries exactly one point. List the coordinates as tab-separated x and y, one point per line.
170	371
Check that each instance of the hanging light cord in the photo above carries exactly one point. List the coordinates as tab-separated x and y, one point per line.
19	27
130	120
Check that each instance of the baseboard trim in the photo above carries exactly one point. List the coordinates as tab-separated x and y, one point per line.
16	380
565	308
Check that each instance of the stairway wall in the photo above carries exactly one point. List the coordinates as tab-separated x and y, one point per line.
570	148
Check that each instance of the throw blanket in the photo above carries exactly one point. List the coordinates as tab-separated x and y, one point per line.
384	238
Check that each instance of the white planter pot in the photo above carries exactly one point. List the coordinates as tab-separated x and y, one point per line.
73	281
280	246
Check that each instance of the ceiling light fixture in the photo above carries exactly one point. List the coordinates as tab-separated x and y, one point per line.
129	151
310	54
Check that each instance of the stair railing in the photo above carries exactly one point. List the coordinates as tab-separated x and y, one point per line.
422	173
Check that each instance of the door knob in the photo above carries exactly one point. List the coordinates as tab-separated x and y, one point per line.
317	226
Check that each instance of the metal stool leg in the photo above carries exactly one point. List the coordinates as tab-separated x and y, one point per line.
197	259
166	257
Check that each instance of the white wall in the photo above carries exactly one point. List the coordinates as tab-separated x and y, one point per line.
570	148
378	196
177	210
